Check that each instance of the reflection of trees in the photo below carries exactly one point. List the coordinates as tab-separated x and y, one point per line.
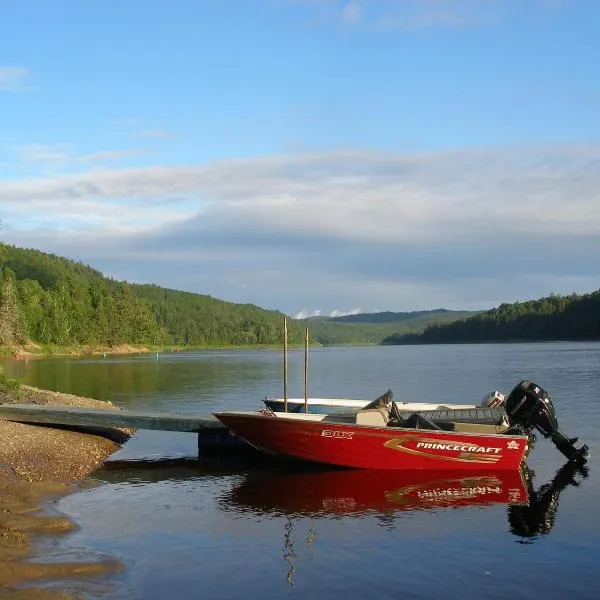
289	552
288	549
538	516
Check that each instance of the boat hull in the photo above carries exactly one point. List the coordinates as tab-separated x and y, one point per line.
368	447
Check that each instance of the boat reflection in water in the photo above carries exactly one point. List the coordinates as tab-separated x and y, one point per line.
354	492
387	494
286	491
293	494
314	493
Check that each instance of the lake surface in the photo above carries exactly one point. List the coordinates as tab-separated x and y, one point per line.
189	528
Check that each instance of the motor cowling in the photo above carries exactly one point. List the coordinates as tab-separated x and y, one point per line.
530	406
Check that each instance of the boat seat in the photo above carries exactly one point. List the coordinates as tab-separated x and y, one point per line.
376	417
484	428
382	401
419	421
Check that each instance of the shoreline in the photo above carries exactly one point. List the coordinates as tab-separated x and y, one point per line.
38	466
33	350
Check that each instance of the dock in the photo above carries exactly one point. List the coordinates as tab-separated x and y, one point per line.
211	432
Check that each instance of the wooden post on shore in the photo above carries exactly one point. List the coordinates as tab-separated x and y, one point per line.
306	370
285	365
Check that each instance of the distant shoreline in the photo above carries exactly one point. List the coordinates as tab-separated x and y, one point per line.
475	342
35	351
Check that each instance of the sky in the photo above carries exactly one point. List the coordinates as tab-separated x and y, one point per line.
311	156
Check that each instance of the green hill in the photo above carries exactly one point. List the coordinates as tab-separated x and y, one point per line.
196	319
574	317
373	328
54	301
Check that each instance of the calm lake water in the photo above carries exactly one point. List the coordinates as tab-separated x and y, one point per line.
188	528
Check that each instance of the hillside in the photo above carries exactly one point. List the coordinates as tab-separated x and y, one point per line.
373	328
196	319
54	301
574	317
417	316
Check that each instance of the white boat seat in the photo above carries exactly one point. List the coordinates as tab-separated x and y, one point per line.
376	417
484	428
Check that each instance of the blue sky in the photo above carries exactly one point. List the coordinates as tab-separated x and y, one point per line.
308	155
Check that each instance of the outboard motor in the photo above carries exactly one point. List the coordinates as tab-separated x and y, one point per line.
529	406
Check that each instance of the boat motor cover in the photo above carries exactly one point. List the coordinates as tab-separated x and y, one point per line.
530	406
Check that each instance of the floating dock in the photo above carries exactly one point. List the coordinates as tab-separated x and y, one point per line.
211	432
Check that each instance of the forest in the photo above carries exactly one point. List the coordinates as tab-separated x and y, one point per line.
574	317
373	328
54	301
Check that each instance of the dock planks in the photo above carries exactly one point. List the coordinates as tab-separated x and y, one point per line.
85	417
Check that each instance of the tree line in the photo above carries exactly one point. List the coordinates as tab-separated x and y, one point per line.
574	317
52	300
372	328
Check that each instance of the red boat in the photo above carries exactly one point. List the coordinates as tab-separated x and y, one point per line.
379	437
308	438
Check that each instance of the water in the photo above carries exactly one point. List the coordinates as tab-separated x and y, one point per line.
185	528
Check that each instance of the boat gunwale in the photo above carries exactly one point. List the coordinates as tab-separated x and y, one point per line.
291	418
354	403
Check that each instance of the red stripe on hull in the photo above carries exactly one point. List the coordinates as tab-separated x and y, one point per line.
377	447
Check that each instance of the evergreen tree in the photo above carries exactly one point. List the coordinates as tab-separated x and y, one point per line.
12	330
31	296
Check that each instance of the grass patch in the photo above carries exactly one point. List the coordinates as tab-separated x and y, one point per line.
8	383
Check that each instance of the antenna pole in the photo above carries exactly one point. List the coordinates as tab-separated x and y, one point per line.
306	370
285	365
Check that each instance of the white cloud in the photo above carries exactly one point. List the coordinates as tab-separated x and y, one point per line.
345	313
12	79
358	195
307	314
65	154
363	228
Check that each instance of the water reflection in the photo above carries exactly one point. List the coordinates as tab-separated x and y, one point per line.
537	517
530	511
344	492
304	504
264	487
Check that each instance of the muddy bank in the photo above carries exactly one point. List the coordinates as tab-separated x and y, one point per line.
39	464
32	350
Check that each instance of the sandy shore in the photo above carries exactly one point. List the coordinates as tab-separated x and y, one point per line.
39	464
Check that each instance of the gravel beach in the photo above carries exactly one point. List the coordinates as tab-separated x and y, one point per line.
37	465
